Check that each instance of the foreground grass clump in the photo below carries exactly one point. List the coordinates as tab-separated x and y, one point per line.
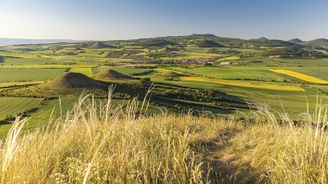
105	144
285	152
283	155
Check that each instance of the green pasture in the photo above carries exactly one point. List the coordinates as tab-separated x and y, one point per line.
51	110
315	71
11	106
238	72
26	74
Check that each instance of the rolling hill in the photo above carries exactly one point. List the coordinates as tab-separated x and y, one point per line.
74	80
318	43
206	43
111	74
208	39
296	40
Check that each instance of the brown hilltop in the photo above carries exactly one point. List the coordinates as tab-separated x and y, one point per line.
111	74
75	80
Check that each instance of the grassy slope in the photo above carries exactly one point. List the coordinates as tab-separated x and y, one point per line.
113	145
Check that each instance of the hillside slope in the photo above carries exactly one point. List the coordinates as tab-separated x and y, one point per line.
318	43
112	145
111	74
74	80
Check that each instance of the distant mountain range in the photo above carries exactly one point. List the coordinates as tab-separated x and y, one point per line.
208	40
18	41
202	40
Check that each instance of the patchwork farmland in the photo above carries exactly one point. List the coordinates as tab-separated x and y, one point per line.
185	73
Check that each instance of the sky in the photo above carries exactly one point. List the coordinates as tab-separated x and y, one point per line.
126	19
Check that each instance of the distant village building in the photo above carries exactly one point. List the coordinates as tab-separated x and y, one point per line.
274	57
226	63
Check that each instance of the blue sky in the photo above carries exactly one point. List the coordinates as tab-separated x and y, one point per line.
125	19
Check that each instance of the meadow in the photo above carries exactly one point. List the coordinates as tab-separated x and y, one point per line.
17	75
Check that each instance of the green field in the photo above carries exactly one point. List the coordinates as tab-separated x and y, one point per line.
17	75
238	72
11	106
320	72
50	111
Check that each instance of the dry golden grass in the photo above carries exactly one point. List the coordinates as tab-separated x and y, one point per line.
111	145
244	84
282	151
107	144
301	76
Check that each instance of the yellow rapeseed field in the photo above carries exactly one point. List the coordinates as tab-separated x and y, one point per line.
243	84
301	76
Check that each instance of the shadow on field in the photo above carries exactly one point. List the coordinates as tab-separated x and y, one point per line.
2	59
4	122
224	169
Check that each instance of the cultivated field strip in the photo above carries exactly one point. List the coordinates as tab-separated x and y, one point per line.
243	84
51	110
301	76
11	106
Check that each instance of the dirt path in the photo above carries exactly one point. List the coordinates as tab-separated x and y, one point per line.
222	165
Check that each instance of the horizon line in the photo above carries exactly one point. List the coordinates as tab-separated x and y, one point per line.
149	37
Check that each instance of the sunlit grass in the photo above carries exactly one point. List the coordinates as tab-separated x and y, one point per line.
86	71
